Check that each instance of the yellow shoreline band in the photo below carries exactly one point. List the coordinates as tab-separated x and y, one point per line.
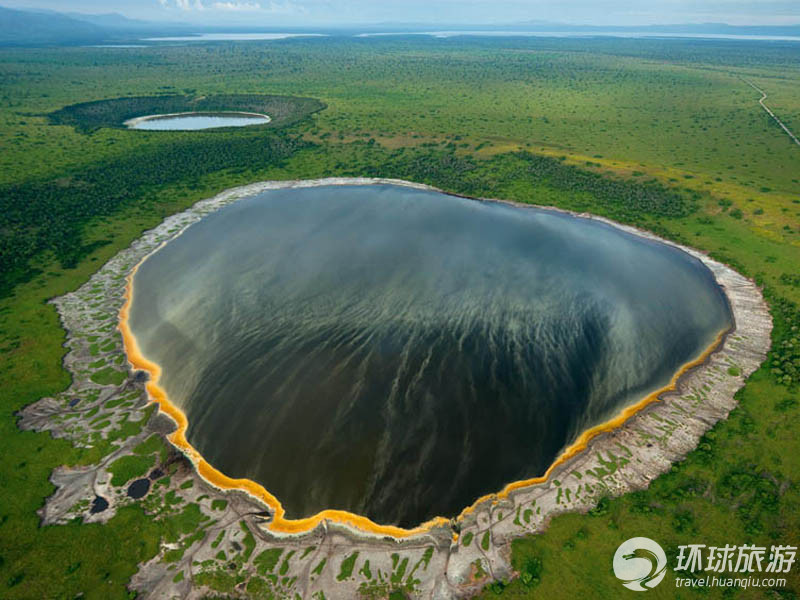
279	523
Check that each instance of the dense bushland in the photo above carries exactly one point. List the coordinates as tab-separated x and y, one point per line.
49	215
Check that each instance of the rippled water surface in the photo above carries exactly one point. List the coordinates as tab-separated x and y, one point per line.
399	353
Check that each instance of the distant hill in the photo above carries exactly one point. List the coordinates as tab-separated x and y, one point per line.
116	21
44	27
549	26
47	27
19	27
685	28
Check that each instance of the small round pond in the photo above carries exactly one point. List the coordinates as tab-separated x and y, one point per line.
195	121
399	353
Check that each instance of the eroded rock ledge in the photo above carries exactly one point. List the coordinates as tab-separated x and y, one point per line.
232	551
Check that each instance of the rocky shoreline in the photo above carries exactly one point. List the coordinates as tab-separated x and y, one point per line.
238	554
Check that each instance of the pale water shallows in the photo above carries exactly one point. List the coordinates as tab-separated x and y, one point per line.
196	121
399	353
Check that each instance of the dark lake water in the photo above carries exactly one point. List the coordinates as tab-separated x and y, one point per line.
399	353
195	122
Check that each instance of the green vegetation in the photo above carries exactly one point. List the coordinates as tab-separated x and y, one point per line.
219	504
320	566
346	568
249	542
656	133
108	376
478	569
50	216
365	570
285	564
129	467
90	116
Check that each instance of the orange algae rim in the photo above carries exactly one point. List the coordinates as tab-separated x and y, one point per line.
281	524
582	443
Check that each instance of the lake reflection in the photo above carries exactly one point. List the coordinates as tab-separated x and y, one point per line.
399	353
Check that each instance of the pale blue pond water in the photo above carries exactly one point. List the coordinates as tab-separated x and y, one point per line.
194	122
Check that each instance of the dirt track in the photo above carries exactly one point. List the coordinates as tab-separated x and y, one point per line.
770	113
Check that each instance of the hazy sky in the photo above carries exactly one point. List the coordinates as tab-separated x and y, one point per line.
299	12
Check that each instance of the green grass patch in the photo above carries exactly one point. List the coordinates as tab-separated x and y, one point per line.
108	376
266	561
346	568
129	467
486	540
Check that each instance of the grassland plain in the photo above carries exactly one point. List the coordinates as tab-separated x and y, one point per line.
554	122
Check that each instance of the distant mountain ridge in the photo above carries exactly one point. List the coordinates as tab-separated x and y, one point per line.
687	28
116	21
18	27
45	27
549	26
